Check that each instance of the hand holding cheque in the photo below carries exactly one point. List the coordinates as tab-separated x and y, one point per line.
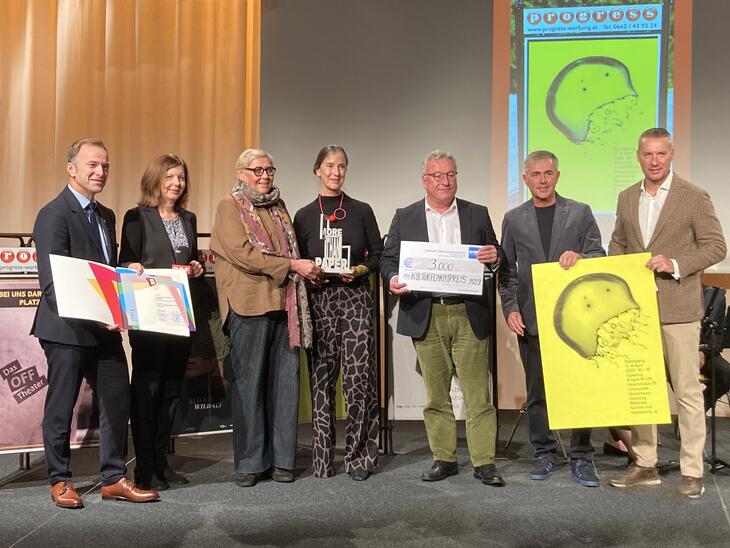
442	268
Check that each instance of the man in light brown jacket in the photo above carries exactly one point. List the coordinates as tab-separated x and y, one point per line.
676	222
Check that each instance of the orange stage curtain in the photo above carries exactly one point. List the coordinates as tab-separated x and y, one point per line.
146	76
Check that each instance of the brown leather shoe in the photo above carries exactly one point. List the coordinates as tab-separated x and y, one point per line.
125	489
636	476
65	496
691	487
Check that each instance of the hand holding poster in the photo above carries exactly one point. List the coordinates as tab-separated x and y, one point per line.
158	300
600	343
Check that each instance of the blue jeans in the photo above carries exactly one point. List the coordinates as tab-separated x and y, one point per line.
265	396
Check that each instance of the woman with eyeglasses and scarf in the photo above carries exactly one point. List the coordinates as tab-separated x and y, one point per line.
263	302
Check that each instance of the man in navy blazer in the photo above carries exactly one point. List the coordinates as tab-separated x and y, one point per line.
546	228
74	225
449	331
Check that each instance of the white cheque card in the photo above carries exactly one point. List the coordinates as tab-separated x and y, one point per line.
441	268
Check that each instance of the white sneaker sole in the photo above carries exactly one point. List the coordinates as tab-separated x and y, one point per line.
642	484
697	496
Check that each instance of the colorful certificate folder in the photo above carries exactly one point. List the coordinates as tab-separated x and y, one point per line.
158	300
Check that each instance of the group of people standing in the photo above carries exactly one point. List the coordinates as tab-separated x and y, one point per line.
275	299
277	296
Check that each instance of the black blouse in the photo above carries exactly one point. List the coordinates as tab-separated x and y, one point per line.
359	231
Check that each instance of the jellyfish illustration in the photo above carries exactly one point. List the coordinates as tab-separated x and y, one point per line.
597	316
591	91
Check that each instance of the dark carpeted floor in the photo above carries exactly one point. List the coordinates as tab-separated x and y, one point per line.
393	508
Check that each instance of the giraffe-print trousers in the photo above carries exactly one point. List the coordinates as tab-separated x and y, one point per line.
344	336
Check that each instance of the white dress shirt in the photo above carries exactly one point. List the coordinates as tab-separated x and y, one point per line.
443	228
650	207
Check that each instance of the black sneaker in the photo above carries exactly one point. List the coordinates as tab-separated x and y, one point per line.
543	468
583	471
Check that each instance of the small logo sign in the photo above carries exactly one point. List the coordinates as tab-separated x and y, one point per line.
650	14
566	17
23	383
616	15
550	17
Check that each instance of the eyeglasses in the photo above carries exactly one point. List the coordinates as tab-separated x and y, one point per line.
259	171
439	176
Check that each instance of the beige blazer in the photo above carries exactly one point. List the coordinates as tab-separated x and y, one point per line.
250	282
688	231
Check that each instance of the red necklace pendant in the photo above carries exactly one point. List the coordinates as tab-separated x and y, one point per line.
339	213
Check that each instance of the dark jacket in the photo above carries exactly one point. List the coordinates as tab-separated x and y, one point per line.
62	228
144	239
409	224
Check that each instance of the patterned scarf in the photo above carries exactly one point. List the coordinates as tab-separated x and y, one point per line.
297	306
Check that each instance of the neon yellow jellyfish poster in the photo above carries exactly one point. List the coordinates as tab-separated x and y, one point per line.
587	101
600	343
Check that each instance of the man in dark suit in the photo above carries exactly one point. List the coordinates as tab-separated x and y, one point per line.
546	228
73	224
675	221
449	332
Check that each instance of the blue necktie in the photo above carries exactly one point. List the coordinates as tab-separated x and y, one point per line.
91	214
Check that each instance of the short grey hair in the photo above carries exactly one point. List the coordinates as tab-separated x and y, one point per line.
436	155
539	156
250	154
75	147
656	133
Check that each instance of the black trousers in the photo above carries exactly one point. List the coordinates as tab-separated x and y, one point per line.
105	369
541	437
158	368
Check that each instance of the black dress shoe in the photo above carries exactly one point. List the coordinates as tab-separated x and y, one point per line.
282	475
488	475
245	480
170	476
159	483
359	474
441	469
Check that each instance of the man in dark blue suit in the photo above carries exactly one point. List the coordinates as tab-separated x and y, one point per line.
74	225
449	332
546	228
